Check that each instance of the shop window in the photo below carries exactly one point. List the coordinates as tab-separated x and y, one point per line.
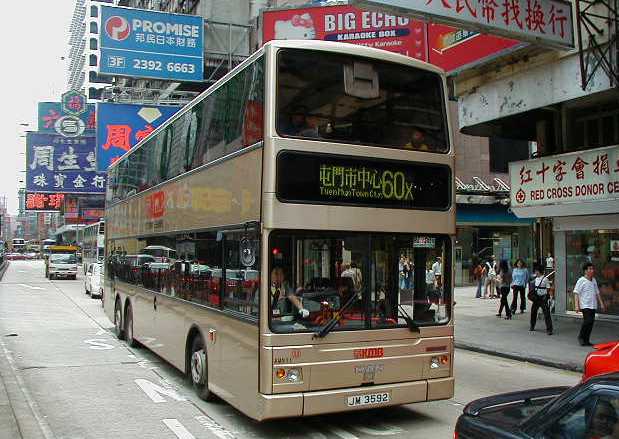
503	151
593	127
601	248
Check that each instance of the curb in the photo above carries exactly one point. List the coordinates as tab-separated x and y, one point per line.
518	357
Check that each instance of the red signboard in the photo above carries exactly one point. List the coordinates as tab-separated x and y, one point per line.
348	25
450	48
155	204
44	202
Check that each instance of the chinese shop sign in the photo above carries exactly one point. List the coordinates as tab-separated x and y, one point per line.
327	179
40	202
567	178
545	22
59	164
348	25
55	120
150	44
121	126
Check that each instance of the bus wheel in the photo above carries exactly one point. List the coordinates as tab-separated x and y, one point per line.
198	369
118	317
129	328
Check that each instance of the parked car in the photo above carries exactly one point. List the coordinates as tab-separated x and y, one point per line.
93	279
604	359
586	411
14	256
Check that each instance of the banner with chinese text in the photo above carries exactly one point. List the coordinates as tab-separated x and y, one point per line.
121	126
42	202
567	178
58	164
544	22
348	25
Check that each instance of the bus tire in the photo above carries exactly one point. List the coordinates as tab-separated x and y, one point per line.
131	342
118	317
198	369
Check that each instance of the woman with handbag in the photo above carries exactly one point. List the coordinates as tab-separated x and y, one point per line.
539	295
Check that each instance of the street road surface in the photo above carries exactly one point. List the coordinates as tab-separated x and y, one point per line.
67	376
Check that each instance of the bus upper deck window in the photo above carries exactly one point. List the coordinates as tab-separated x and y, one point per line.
361	80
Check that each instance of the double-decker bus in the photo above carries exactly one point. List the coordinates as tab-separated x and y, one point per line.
309	198
18	245
45	246
93	243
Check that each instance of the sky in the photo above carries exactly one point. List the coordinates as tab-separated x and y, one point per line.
34	37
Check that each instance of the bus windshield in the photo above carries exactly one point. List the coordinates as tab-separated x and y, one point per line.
360	101
384	277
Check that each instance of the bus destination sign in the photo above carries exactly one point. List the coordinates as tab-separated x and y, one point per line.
329	179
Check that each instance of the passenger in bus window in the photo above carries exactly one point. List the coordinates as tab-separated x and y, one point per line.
282	293
418	140
298	124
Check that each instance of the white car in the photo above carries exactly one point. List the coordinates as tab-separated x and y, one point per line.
93	280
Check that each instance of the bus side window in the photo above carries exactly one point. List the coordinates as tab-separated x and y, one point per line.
242	265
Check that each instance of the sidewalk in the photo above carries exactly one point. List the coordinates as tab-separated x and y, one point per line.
478	329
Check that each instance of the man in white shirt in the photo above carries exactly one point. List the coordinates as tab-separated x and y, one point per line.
550	263
587	298
437	269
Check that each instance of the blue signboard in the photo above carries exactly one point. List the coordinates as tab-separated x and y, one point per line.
149	44
121	126
53	119
58	164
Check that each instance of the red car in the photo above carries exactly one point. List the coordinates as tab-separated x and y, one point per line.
605	359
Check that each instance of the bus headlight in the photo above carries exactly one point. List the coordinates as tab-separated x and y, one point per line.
289	375
438	361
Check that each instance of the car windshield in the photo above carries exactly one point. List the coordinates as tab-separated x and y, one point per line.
359	100
63	259
381	278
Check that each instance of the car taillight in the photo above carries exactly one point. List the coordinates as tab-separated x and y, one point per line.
455	434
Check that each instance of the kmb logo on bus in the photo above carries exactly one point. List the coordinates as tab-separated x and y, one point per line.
360	354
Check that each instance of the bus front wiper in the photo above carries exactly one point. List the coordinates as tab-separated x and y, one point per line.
331	324
412	326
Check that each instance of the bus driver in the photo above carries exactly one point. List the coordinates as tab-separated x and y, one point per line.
281	292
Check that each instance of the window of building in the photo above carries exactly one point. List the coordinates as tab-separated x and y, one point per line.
92	60
502	151
93	44
94	28
593	127
94	11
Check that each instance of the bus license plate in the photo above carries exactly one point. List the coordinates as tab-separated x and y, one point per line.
369	399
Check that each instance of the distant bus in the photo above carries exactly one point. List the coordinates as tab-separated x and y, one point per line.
18	245
45	245
160	252
93	243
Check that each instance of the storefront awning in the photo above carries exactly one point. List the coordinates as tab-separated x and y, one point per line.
488	215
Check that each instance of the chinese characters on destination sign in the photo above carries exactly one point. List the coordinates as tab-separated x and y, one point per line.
364	183
581	176
546	21
60	164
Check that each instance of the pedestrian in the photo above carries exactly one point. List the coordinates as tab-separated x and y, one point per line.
504	276
550	263
408	273
490	284
478	275
520	278
587	299
540	297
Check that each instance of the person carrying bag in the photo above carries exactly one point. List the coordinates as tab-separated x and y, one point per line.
539	295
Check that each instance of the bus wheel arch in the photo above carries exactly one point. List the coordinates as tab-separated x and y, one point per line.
118	319
197	364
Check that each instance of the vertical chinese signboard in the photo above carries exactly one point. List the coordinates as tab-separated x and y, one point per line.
149	44
57	164
122	126
348	25
572	178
